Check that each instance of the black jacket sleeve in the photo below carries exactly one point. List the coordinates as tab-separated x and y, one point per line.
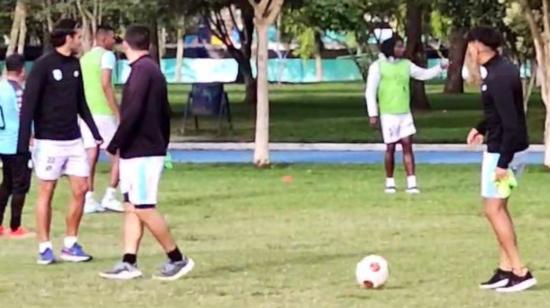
35	84
84	111
503	97
131	113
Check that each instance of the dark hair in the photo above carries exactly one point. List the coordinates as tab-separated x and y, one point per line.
486	35
138	37
104	29
61	30
15	63
388	46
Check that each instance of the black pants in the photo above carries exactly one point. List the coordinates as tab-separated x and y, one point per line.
16	182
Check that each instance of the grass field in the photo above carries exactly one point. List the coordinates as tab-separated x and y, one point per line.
261	243
335	112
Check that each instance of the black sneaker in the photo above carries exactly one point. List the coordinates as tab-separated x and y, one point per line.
518	284
500	279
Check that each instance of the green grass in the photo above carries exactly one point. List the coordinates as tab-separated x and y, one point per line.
335	112
261	243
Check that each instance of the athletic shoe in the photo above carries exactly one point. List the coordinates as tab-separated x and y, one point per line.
46	257
92	206
75	254
175	270
390	190
518	284
413	190
111	204
500	279
122	271
21	233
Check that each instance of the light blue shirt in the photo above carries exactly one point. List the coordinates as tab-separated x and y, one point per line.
9	119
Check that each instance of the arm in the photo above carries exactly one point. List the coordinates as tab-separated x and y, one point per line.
373	80
133	112
503	97
108	63
481	127
420	73
84	111
31	99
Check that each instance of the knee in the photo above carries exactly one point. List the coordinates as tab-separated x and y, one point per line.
81	189
491	211
390	149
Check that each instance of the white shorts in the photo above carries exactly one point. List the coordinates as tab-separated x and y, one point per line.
397	126
489	187
53	159
139	180
107	126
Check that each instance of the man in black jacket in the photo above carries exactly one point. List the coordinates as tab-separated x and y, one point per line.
505	132
52	101
142	141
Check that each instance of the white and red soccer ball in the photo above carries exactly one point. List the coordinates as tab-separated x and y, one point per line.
372	272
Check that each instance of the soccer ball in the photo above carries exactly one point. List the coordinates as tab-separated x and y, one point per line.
372	272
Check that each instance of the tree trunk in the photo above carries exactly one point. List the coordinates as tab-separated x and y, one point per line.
318	57
18	16
261	149
162	42
180	49
454	83
154	48
22	31
415	52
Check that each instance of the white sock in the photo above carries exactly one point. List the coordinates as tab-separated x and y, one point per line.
89	195
69	241
411	181
110	193
390	182
42	246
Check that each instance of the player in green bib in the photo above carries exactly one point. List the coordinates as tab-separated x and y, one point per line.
98	65
388	103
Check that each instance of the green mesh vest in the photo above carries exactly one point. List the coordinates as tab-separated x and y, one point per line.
91	76
393	90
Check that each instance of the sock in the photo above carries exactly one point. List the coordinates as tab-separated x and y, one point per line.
42	246
89	195
175	255
17	202
129	258
411	181
69	241
390	182
110	193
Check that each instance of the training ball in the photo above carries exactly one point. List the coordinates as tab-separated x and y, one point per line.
372	272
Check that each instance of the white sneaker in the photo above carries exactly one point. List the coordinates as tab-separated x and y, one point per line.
112	204
413	190
390	190
122	271
92	206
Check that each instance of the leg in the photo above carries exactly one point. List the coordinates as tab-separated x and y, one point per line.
114	171
21	185
5	187
133	231
155	223
93	155
44	209
497	213
389	159
408	155
79	187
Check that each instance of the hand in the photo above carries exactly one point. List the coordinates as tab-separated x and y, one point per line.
474	137
444	64
501	174
373	122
